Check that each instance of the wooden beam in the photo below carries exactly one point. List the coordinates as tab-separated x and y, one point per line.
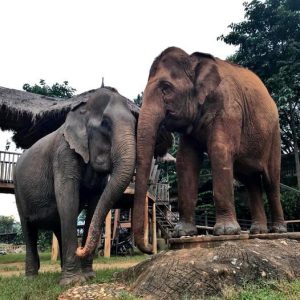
146	222
107	241
116	222
54	248
7	188
154	237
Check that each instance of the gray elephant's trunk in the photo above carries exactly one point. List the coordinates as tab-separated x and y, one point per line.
123	157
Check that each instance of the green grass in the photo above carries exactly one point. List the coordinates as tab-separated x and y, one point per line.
45	286
123	259
45	257
7	268
20	257
269	290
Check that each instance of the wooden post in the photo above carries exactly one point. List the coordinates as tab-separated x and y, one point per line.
154	237
55	248
146	222
107	242
116	222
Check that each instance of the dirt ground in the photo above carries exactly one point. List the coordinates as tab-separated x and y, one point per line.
12	269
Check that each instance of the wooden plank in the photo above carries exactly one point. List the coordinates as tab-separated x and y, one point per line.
116	222
107	241
146	221
152	166
208	241
129	190
125	225
153	174
292	221
54	248
157	176
154	237
6	188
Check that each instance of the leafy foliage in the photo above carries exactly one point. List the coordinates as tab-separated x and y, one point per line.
7	224
44	240
139	99
269	45
56	90
291	205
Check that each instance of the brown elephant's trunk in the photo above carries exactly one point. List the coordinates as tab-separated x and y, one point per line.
123	158
149	121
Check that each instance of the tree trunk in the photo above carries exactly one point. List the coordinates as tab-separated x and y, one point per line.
199	273
212	269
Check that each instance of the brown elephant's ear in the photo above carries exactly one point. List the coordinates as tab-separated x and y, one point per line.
207	76
75	131
164	141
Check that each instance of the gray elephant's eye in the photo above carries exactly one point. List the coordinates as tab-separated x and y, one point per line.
105	124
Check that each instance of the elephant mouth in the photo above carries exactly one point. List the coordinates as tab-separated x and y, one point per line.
102	166
171	115
173	122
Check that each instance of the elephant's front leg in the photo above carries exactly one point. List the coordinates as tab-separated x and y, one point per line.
221	157
188	160
67	196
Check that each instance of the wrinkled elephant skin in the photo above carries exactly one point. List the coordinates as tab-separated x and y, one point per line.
221	109
67	170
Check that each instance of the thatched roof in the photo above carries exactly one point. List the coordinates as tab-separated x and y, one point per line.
32	116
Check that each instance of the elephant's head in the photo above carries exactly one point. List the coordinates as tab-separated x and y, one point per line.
177	87
102	132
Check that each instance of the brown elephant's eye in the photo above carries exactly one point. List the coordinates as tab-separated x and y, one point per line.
165	88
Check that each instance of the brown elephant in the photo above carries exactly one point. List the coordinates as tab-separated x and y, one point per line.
222	109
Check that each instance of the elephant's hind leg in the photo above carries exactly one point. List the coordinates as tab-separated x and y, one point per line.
271	180
253	184
32	263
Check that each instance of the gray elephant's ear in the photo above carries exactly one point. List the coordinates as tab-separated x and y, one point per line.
75	131
207	76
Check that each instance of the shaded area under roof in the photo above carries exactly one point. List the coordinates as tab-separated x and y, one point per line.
33	116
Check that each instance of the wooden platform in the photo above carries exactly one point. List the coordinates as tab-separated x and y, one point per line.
210	241
7	188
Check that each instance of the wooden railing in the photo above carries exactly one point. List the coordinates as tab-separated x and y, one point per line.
8	161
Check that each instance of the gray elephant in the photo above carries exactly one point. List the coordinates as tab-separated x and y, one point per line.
67	170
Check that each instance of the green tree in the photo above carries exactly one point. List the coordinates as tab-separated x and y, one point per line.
269	45
139	99
56	90
6	224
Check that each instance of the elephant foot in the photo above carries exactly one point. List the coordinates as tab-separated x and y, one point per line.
278	227
88	274
184	228
73	279
31	275
227	228
257	228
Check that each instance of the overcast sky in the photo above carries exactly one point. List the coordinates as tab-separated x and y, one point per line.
83	41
